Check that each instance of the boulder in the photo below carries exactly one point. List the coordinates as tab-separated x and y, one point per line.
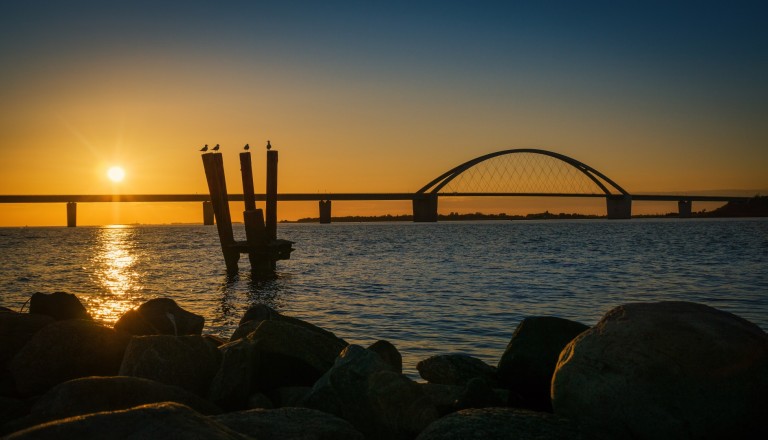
500	423
362	389
233	383
291	355
527	365
389	354
97	394
11	410
261	312
152	421
160	316
455	369
289	424
189	362
451	398
665	370
478	394
288	396
58	305
15	330
65	350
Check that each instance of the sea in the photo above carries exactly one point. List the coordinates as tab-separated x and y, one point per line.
428	288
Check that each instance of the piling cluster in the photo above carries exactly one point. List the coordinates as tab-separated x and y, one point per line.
646	370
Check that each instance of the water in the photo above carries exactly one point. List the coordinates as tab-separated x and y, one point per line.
428	288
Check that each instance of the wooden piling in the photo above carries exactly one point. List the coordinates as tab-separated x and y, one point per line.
217	186
247	173
207	213
71	214
271	205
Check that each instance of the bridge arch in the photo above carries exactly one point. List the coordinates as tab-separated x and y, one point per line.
617	198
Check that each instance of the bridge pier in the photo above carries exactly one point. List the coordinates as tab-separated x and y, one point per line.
684	208
71	214
207	213
325	211
619	207
425	208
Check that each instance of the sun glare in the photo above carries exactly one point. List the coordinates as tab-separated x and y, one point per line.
116	174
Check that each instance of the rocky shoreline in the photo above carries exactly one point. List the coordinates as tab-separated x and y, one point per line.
646	370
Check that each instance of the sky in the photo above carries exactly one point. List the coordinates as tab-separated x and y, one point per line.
375	96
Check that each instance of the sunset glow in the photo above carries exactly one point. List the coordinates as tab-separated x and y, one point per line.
116	174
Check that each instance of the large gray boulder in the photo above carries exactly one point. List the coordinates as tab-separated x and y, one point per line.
527	365
58	305
455	369
189	362
97	394
160	316
500	424
362	389
667	370
65	350
153	421
289	424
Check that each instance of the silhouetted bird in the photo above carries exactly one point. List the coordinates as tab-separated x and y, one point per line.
246	147
216	148
205	148
269	146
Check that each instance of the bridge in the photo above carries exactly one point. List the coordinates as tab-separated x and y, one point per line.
506	173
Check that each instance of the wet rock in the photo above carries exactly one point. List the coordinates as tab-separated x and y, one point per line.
58	305
290	424
389	354
97	394
152	421
527	365
65	350
500	423
666	370
189	362
254	316
455	369
160	316
362	389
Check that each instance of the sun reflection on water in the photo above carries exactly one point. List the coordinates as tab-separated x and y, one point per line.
115	260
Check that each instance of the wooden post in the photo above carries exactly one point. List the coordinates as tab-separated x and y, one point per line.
245	170
207	213
271	214
71	214
325	211
217	186
256	237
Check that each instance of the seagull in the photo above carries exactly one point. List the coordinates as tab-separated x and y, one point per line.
269	146
205	148
216	148
246	147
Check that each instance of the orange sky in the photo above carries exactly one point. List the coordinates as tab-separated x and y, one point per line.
373	99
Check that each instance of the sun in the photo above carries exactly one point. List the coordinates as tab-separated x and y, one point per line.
116	174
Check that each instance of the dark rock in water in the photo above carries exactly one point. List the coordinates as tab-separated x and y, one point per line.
451	398
65	350
233	383
189	362
362	389
153	421
389	354
500	424
289	424
58	305
665	370
291	355
455	369
96	394
160	316
478	394
527	365
15	330
254	316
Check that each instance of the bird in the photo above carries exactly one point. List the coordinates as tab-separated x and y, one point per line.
216	148
246	147
205	148
269	146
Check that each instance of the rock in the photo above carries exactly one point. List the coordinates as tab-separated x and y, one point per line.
451	398
362	389
189	362
389	354
12	409
500	424
160	316
65	350
289	424
527	365
289	396
260	401
665	370
455	369
16	329
478	394
260	312
97	394
291	355
232	384
58	305
153	421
